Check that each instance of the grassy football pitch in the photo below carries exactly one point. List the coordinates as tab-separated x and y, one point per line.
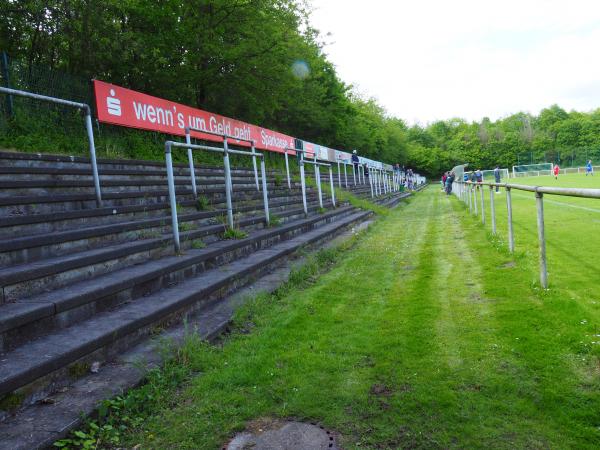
572	227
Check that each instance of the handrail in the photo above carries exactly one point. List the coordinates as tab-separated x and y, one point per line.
88	126
188	140
567	192
228	183
467	193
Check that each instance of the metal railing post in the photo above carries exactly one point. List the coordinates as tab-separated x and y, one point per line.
492	210
345	175
469	190
539	200
287	168
88	126
361	172
227	183
172	200
303	186
188	140
263	174
254	166
354	170
371	182
331	185
90	134
482	204
511	236
318	179
339	175
474	189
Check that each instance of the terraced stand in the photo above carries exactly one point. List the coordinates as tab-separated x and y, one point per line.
81	285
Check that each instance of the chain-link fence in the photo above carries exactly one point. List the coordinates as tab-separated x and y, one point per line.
572	157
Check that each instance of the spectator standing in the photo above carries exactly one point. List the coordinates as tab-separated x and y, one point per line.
497	178
449	181
355	161
479	176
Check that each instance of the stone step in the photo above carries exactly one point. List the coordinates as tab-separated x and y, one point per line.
10	188
41	204
15	172
28	224
40	366
39	160
35	247
75	302
55	272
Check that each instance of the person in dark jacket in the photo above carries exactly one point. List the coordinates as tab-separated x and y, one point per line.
355	161
449	181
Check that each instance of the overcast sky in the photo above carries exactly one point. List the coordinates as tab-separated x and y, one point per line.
425	60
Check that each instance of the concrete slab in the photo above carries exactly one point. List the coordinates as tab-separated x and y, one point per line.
277	435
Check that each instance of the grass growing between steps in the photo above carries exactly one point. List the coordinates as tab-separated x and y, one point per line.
424	335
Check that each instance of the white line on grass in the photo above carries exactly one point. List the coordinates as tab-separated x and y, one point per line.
531	197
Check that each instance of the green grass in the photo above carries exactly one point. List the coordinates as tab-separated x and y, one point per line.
234	233
428	334
572	227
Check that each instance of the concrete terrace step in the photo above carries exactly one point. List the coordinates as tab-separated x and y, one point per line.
54	272
104	290
38	246
17	159
112	331
58	221
41	204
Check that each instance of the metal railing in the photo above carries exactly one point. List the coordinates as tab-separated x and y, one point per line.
228	183
317	166
88	126
467	192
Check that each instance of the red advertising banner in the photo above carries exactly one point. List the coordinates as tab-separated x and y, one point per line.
119	106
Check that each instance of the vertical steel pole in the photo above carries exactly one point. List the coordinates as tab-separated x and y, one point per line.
492	210
318	178
227	183
539	200
474	187
511	236
371	182
361	173
303	185
188	140
469	189
345	175
339	175
90	134
331	185
254	166
263	174
482	204
287	168
354	170
172	200
6	74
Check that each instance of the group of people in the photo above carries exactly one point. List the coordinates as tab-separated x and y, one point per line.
447	180
406	176
475	176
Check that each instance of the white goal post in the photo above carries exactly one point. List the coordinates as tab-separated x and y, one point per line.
532	170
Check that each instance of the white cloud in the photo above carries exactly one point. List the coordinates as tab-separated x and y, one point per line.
427	60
